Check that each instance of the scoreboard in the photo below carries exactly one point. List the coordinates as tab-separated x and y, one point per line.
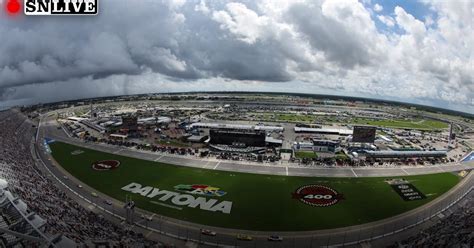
364	134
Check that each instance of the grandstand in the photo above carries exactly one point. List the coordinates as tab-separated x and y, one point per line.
34	210
231	137
20	226
455	228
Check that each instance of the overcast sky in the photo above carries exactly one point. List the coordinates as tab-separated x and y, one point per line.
411	51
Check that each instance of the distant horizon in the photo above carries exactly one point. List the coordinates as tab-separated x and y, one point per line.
308	95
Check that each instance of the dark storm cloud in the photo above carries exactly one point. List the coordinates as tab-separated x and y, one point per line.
339	43
127	39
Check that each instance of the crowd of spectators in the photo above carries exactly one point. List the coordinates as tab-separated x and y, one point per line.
63	214
454	230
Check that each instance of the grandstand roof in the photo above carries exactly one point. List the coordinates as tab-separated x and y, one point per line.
3	184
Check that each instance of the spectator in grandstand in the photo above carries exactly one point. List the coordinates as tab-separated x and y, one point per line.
28	181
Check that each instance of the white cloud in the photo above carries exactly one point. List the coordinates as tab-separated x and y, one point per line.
202	7
410	24
387	20
244	23
378	7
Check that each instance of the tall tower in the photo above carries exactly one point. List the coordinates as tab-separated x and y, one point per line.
450	133
91	112
129	209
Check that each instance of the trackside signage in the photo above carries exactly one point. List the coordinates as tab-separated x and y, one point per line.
179	199
405	189
408	192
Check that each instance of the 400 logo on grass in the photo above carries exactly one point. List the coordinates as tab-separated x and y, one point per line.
200	189
317	195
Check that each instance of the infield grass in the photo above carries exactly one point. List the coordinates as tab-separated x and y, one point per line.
410	124
260	202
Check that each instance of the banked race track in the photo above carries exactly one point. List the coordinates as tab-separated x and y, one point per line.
310	207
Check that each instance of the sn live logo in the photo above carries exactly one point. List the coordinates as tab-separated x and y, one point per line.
54	7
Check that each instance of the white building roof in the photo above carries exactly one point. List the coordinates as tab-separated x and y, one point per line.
235	126
160	119
74	118
273	140
339	131
119	136
385	138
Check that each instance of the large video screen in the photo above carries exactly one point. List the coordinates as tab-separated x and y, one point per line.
364	134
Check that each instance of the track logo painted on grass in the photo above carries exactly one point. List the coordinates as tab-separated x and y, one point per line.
317	195
77	152
200	189
104	165
198	202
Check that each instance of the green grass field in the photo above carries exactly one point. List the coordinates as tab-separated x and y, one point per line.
412	124
421	124
174	143
285	117
306	154
260	202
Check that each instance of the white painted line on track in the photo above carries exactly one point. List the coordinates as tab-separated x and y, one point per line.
439	168
406	172
354	172
159	157
218	163
205	165
64	130
118	151
286	170
38	129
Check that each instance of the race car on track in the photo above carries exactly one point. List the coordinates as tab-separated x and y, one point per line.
244	237
275	238
208	232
